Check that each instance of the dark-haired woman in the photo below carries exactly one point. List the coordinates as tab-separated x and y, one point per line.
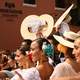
40	49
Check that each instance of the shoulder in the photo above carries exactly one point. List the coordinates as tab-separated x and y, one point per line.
58	70
60	65
45	67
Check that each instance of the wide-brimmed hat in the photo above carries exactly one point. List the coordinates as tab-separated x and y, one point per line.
61	25
33	23
44	23
63	16
71	35
64	41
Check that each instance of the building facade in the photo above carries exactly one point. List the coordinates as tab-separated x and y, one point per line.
12	13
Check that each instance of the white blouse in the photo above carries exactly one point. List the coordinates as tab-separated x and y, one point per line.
27	74
62	70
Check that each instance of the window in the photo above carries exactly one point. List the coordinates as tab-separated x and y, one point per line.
31	3
60	3
9	5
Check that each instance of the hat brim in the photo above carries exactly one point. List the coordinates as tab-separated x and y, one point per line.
30	35
24	28
58	22
71	35
63	41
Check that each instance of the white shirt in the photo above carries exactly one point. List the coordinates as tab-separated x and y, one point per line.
27	74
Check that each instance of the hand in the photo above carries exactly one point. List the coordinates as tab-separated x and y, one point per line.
39	35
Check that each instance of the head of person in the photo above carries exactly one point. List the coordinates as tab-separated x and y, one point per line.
23	59
76	50
11	58
41	49
20	57
65	46
3	56
25	45
67	51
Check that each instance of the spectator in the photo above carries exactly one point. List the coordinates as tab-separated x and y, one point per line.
43	70
76	75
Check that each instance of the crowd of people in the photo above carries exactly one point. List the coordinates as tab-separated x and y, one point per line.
55	57
42	59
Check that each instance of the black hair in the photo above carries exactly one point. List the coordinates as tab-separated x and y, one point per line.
12	55
69	53
50	37
40	41
27	42
22	51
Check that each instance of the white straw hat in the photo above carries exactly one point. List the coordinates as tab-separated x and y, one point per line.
44	23
31	23
63	16
71	35
63	41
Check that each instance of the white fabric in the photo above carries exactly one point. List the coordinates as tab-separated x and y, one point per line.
63	41
27	74
71	35
63	27
50	61
35	24
62	70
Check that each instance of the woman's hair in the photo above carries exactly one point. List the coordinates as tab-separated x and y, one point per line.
55	42
12	56
45	46
27	42
69	53
40	42
23	52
